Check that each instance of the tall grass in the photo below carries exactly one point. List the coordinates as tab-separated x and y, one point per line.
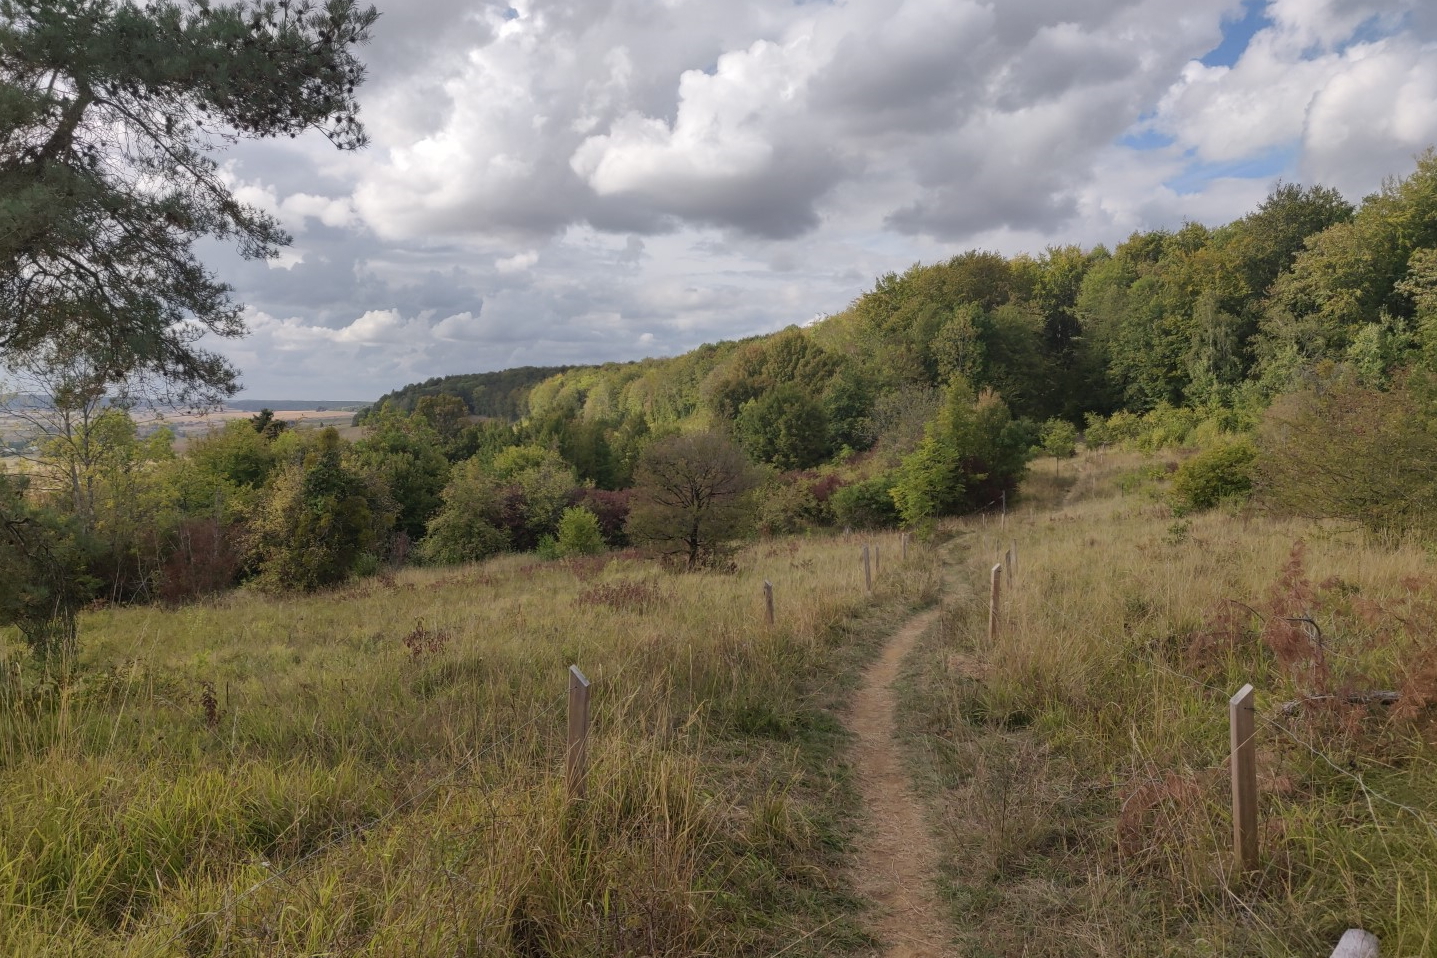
1081	757
378	771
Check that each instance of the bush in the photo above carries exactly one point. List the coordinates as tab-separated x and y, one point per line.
318	520
787	506
1347	451
612	511
865	505
579	533
1214	476
471	524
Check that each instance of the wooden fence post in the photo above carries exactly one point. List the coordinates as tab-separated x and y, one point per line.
1013	562
577	758
1242	723
768	600
867	571
1003	524
1357	943
994	599
1008	566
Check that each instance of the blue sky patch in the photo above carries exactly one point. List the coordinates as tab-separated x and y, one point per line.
1145	139
1268	165
1374	28
1236	34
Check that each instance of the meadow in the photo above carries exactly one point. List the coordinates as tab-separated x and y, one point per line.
1078	762
378	770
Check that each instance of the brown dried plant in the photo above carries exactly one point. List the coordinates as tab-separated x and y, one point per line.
423	641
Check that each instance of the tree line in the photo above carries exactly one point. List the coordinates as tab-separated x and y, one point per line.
928	396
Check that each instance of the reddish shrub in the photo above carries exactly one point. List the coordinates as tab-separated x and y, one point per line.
204	558
422	641
627	596
612	509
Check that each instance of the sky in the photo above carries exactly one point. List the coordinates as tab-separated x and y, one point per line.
580	181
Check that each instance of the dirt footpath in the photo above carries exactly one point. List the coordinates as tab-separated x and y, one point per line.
896	859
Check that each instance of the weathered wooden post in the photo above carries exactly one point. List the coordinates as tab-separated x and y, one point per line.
994	599
1008	566
867	571
577	757
1003	523
1013	561
1242	721
1357	943
768	600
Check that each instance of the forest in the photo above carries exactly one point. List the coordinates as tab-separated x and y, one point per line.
1274	343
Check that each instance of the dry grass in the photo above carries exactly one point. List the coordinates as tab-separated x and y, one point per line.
377	771
1081	758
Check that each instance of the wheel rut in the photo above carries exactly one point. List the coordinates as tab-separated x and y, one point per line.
897	860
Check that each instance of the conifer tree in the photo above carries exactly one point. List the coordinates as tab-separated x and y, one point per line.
110	116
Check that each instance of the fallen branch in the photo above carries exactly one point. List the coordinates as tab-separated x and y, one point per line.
1351	698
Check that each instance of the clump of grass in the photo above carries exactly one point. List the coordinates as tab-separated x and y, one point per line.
631	595
347	793
1081	757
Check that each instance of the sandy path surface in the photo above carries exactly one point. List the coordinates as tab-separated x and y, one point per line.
896	858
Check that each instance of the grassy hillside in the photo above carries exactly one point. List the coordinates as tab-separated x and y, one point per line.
378	771
1080	760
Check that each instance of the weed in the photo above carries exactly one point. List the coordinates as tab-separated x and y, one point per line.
423	642
629	595
210	703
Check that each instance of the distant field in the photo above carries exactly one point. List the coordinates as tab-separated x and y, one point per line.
186	426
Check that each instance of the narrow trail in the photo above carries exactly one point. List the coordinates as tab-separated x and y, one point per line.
896	858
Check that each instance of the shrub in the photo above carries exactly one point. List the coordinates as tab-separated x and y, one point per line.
612	511
579	533
1347	451
787	506
865	505
470	526
318	520
1213	476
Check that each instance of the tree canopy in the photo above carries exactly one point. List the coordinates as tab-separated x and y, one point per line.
110	115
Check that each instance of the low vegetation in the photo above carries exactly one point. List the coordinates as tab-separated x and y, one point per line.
378	770
1079	761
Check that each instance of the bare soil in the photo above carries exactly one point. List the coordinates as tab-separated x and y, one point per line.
897	862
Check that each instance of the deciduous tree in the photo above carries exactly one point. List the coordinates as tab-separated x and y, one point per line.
690	494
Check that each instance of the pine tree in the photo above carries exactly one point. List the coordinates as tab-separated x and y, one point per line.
110	116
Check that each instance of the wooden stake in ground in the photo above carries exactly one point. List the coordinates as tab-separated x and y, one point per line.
867	571
1008	566
1012	561
768	600
1242	722
1357	943
994	599
577	757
